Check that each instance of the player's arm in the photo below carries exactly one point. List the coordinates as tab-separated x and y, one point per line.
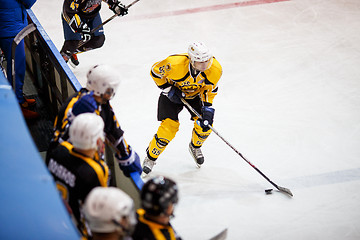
127	158
114	133
123	151
211	88
207	111
158	73
209	96
27	3
117	7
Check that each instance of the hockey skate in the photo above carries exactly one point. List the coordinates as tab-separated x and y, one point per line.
74	60
148	165
196	154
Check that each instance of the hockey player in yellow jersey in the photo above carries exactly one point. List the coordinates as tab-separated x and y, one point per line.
193	76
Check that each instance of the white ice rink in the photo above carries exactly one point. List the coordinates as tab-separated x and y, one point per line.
288	100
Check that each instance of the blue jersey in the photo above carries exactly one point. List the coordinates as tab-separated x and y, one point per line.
13	16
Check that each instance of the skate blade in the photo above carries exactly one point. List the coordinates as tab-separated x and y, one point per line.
145	175
197	165
72	64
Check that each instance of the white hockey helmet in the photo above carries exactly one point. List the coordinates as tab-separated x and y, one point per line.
107	208
85	130
102	79
200	56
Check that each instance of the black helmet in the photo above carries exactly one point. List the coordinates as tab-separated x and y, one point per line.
157	194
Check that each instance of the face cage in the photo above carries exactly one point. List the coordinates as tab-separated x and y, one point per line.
108	94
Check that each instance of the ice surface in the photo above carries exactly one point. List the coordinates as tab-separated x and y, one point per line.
288	100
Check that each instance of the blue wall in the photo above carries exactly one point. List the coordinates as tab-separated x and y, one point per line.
30	204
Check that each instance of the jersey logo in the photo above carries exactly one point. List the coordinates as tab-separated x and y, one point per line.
161	142
190	89
167	68
74	5
91	5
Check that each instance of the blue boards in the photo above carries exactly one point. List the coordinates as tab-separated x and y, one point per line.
30	204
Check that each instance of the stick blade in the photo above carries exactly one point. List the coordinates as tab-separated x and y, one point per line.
285	190
220	236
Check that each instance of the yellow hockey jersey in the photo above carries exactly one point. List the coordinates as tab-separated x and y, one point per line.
175	70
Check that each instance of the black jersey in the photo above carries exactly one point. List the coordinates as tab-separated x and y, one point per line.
149	230
77	11
112	129
76	175
62	121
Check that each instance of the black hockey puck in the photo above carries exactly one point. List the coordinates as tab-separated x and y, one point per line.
268	191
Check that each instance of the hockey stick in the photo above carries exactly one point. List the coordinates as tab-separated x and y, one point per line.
105	22
18	38
281	189
221	235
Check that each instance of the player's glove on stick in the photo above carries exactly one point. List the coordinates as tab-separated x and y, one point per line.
84	31
207	114
85	104
174	94
119	9
130	163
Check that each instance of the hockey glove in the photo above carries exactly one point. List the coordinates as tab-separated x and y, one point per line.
84	31
130	163
85	104
118	8
174	94
207	118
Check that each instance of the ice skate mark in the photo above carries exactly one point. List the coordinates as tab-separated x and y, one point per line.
232	186
204	9
324	179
